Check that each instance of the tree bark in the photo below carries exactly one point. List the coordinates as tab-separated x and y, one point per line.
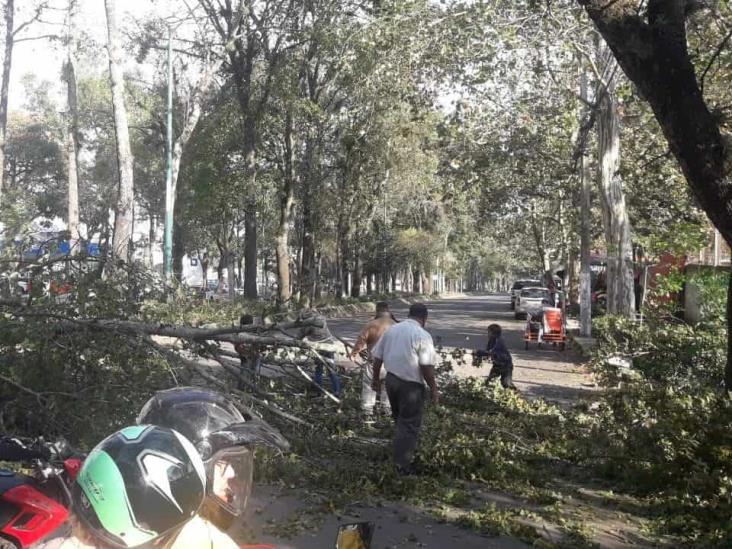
204	270
195	102
728	369
241	58
343	247
250	209
620	296
250	248
72	137
585	229
151	242
309	208
231	274
5	87
357	276
654	55
286	203
123	219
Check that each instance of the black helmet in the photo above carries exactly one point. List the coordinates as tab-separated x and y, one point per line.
222	434
138	485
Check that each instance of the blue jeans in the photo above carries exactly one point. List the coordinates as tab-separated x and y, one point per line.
335	382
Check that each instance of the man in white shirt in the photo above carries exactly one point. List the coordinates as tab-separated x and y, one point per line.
408	354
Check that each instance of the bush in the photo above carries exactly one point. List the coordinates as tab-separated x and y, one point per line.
663	350
666	436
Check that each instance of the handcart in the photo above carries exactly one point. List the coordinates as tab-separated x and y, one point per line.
555	329
534	329
547	325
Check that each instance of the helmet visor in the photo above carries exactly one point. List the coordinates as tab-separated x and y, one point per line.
231	471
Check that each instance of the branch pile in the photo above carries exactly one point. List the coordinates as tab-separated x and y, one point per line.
289	349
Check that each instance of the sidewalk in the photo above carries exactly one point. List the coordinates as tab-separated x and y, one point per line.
286	520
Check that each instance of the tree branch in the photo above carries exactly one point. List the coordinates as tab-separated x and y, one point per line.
714	57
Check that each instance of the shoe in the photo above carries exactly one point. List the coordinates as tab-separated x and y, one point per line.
411	471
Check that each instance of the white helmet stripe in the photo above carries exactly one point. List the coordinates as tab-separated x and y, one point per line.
196	459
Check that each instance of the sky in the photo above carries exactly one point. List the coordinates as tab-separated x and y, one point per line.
43	58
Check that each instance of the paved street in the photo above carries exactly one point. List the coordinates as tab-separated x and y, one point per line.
462	322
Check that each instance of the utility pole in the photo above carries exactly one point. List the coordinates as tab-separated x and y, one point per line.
169	198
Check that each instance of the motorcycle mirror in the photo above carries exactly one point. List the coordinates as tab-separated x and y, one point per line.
356	535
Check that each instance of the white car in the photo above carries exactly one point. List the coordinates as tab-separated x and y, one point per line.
531	299
518	286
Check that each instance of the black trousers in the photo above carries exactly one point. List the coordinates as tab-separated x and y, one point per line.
505	373
407	405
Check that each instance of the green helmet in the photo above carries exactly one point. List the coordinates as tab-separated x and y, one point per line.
138	485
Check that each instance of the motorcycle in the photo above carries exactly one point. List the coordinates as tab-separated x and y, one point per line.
34	504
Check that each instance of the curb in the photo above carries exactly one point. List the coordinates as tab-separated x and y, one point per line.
586	345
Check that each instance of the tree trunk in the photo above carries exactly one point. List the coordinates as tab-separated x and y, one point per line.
195	101
585	230
150	243
250	229
5	89
123	218
231	274
654	54
179	250
620	296
241	58
343	239
539	234
310	191
72	137
204	270
427	284
728	369
308	250
357	276
286	202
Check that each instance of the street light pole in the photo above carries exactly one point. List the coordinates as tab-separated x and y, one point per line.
169	198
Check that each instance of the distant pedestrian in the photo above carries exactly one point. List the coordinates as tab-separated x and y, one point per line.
367	340
323	342
407	352
501	357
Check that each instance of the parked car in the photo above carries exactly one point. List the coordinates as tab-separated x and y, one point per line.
531	299
516	289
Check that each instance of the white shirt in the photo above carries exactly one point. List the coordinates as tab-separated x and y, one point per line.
403	348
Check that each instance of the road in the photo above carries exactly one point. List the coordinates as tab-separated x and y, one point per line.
454	322
462	322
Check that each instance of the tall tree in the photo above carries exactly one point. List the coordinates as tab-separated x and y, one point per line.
72	127
12	33
620	295
261	32
651	47
585	225
5	89
287	195
122	240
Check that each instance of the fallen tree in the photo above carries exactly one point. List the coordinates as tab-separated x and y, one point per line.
52	357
